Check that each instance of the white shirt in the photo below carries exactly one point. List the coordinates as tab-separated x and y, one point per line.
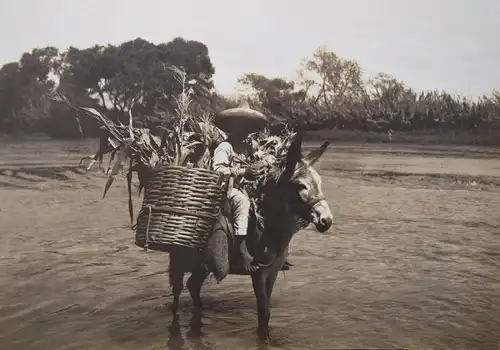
225	157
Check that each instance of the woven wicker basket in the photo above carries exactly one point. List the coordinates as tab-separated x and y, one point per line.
180	208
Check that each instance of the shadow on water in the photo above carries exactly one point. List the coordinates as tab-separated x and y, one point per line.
43	173
178	336
196	339
225	322
27	177
195	335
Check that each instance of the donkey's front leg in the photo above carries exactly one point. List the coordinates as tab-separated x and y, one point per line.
263	314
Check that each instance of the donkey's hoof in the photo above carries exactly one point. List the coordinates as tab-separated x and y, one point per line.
175	311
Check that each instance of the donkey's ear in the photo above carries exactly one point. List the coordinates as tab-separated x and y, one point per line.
294	155
315	154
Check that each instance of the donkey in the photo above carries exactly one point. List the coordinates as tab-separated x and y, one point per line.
292	201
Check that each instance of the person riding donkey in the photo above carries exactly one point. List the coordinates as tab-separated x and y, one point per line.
230	158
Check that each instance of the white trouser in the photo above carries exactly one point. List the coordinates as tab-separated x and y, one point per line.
240	207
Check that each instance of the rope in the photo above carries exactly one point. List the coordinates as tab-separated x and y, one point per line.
146	244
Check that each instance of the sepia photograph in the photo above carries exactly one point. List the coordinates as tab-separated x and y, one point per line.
199	175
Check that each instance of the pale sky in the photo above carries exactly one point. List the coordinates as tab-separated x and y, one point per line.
445	44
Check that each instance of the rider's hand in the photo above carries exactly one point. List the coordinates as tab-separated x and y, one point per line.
236	172
253	171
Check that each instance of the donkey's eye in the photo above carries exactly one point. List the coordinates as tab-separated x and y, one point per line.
301	187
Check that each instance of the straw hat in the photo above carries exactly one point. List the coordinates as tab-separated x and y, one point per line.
240	120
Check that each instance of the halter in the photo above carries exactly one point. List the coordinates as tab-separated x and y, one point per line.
304	209
310	204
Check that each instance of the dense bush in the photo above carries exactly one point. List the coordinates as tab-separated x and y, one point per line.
329	94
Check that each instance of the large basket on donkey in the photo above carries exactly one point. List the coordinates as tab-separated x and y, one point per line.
180	208
181	204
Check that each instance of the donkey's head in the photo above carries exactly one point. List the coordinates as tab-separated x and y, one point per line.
302	185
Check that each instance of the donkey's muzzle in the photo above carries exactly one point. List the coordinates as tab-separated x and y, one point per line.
322	216
324	224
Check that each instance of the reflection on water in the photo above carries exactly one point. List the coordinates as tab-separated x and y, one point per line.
195	335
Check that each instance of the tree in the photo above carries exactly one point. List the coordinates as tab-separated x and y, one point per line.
135	74
276	96
387	99
23	88
10	95
331	79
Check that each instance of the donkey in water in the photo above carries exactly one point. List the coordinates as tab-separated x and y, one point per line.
292	201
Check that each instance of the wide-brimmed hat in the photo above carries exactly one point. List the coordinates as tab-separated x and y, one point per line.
240	120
